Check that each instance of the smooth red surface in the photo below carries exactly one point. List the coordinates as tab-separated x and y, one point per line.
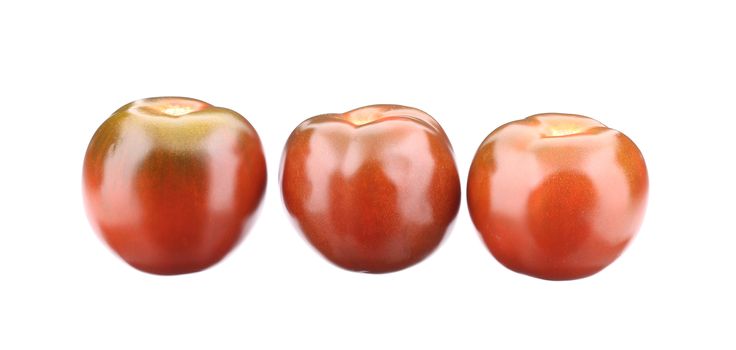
172	184
373	189
557	196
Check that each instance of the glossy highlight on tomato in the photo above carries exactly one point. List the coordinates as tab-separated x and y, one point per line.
373	189
557	196
172	183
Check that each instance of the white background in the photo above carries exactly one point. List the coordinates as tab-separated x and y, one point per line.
661	72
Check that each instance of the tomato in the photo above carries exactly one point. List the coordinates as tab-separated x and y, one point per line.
557	196
172	183
373	189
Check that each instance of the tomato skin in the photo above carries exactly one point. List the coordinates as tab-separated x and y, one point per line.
374	189
172	184
557	196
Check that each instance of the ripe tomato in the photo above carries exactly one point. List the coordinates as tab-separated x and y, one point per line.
557	196
373	189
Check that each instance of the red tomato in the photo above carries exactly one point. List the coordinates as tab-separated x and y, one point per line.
172	183
373	189
557	196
